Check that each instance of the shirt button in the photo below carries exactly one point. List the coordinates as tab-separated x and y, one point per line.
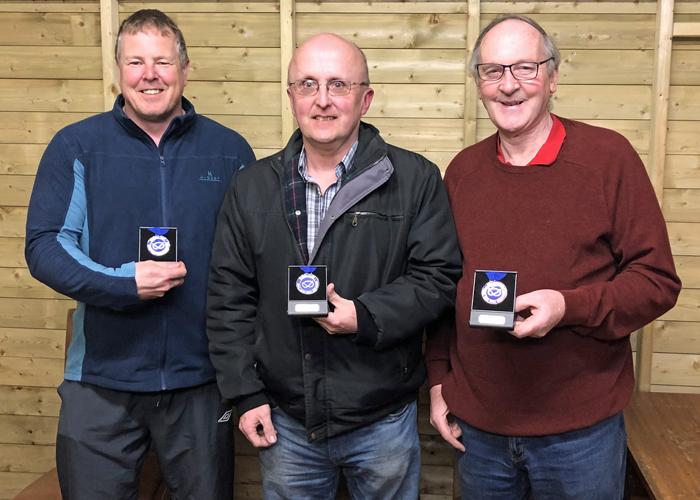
307	357
297	213
313	435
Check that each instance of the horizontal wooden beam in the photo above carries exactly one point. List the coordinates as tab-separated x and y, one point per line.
686	30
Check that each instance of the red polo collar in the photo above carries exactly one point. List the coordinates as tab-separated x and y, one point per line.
549	150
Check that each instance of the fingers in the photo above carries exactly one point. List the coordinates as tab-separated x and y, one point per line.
256	426
344	319
450	432
154	279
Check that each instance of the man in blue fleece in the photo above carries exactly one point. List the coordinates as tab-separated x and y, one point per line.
138	369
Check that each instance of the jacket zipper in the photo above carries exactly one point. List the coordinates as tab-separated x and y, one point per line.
354	219
164	218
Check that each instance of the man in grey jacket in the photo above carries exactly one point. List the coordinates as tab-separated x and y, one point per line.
325	394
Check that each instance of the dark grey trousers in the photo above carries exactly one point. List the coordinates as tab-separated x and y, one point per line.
104	436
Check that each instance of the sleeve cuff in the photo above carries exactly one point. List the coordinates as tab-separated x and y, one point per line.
577	308
249	402
367	331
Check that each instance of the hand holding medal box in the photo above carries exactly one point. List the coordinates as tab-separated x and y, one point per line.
158	243
493	300
307	291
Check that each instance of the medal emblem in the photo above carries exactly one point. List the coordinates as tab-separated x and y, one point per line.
307	283
494	292
158	245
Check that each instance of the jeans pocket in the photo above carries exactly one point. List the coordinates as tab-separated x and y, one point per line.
397	414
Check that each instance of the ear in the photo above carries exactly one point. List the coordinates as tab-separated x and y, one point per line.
553	81
291	101
186	70
367	100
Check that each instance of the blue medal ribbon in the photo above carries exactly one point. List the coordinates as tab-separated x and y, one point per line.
160	231
309	269
495	276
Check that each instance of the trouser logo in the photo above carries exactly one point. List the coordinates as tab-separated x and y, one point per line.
225	417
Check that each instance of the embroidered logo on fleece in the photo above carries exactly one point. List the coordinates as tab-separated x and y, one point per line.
225	417
209	178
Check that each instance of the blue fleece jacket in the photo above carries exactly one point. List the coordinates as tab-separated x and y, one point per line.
100	180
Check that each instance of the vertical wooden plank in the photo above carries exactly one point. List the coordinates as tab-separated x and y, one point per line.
109	19
287	46
471	98
657	157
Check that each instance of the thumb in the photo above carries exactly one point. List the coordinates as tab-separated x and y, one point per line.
522	302
269	430
333	297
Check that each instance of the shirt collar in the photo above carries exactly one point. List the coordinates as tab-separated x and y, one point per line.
345	164
550	149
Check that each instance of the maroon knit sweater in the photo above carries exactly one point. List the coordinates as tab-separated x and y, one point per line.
588	226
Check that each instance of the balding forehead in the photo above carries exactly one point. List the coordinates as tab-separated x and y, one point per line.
329	42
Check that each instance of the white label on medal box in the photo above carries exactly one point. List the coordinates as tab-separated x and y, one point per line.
490	319
307	308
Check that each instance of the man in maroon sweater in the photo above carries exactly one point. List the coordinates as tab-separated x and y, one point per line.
571	209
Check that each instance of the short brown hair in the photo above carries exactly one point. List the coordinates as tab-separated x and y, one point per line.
140	21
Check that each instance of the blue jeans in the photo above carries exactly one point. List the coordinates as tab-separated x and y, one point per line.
586	464
380	461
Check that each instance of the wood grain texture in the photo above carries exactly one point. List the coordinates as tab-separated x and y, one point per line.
664	440
72	96
71	29
683	137
34	128
688	268
20	159
389	31
679	337
236	98
32	372
681	205
26	458
58	62
12	252
416	65
17	282
33	313
417	101
606	67
686	309
13	221
684	238
16	429
682	171
15	190
227	29
32	343
26	400
260	131
431	134
234	64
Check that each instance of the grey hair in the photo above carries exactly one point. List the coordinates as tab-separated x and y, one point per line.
145	19
550	49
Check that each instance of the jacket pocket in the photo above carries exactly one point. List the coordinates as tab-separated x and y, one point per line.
358	216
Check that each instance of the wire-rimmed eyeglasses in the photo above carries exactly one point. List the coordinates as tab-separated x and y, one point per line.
491	72
335	88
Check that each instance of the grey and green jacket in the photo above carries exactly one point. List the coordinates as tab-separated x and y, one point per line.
389	243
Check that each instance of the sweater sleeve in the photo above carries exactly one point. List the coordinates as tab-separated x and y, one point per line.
428	286
645	284
232	302
57	243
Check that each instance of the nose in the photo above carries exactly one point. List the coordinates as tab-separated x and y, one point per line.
149	71
508	83
323	98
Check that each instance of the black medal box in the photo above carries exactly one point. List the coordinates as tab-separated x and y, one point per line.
307	291
493	300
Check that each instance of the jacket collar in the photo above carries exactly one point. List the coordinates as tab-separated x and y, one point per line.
370	149
176	128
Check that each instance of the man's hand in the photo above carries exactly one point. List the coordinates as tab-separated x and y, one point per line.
449	431
153	278
256	426
343	319
546	309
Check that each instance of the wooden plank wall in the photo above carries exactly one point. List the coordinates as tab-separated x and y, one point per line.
51	75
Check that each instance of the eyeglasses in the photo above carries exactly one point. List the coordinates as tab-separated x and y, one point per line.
335	88
491	72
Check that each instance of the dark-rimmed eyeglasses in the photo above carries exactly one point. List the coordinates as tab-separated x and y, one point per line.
335	88
491	72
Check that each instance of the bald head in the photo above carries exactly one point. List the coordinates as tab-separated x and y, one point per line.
330	47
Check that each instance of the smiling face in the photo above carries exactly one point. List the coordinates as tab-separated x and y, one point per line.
151	77
516	107
327	123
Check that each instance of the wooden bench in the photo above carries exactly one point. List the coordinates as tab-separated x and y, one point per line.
664	443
